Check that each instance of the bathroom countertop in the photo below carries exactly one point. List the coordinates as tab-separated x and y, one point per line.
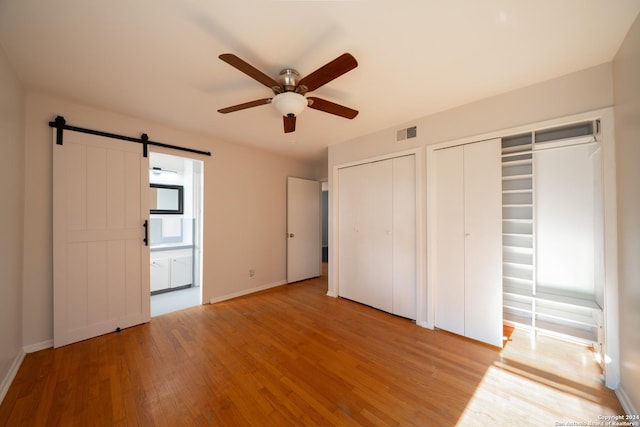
170	246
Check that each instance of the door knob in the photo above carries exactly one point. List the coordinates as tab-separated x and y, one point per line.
290	235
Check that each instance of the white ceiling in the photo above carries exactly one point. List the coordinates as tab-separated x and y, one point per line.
158	59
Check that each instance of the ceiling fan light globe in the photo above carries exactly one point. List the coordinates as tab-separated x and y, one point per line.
289	103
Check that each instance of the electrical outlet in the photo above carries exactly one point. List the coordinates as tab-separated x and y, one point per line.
252	272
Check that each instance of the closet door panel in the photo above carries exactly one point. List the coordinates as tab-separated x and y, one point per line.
377	237
404	237
449	280
350	259
365	243
483	241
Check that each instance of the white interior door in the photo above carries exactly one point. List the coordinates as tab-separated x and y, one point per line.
304	229
100	262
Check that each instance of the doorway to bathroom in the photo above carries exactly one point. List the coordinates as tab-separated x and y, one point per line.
175	232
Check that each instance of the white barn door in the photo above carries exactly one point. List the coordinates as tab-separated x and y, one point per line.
100	262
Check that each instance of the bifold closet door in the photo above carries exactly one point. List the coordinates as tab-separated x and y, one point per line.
404	237
449	230
468	236
377	235
483	241
365	239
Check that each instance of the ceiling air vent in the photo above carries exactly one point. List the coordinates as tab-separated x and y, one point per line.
407	133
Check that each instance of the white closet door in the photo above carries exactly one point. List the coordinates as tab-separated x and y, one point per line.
404	237
100	264
365	239
449	262
483	241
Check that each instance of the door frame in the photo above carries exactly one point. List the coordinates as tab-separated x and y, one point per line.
334	227
198	259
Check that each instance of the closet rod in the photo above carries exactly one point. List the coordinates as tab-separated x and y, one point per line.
60	124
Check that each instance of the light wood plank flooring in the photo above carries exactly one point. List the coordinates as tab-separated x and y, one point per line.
291	356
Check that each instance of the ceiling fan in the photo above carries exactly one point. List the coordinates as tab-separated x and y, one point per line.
289	90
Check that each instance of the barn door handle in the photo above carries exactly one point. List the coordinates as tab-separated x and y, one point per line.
146	232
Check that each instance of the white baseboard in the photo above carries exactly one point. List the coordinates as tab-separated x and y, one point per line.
13	370
32	348
626	403
332	294
246	292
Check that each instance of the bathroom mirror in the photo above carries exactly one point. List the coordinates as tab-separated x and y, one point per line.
166	199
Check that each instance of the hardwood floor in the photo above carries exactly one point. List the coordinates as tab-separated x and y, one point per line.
293	356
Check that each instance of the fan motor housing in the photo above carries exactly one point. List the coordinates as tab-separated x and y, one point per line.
289	79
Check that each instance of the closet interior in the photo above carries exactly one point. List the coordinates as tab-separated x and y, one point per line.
552	232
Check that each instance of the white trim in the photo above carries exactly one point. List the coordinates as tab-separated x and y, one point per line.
422	315
246	292
431	242
333	285
11	374
380	158
626	402
611	314
32	348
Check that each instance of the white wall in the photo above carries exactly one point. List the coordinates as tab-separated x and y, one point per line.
626	69
585	90
244	206
11	220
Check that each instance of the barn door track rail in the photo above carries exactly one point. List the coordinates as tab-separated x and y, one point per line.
61	125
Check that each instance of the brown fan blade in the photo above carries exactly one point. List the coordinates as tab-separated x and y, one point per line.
249	70
289	123
249	104
334	69
331	108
